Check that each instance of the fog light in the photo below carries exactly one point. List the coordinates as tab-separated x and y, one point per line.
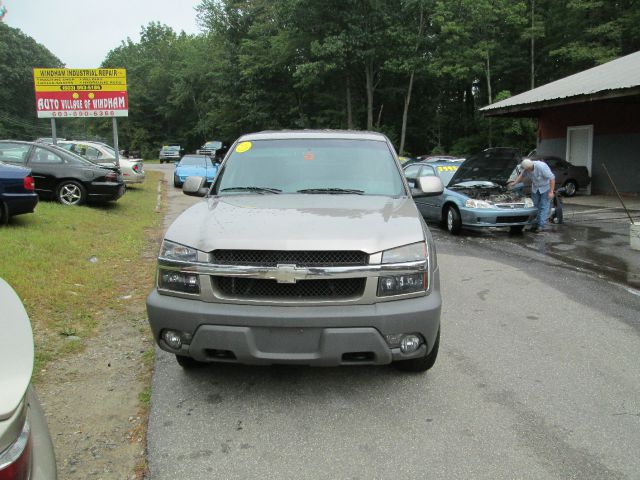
173	339
409	343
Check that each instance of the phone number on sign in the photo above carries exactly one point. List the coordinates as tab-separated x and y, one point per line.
85	113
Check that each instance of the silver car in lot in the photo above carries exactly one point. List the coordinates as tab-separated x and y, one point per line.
26	451
132	168
307	249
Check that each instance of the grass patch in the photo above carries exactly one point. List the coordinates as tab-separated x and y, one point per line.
145	397
71	265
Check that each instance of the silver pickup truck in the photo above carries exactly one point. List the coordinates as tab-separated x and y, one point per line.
307	249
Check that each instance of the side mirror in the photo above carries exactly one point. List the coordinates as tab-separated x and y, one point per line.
195	186
427	187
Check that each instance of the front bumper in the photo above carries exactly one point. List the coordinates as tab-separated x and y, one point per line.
308	335
496	217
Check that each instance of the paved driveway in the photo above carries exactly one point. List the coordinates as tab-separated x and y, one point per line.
537	378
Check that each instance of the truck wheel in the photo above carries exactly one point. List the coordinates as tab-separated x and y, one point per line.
176	182
188	363
453	220
571	187
420	364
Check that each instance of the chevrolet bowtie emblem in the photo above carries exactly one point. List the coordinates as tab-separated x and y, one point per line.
288	273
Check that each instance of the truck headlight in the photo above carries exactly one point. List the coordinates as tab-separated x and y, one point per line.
178	281
404	283
175	251
528	203
473	203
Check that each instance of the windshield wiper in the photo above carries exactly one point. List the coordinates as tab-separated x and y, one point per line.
331	190
252	189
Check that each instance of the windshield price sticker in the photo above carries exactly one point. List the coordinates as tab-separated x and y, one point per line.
244	147
447	168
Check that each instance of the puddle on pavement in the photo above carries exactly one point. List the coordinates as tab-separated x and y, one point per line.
588	248
583	247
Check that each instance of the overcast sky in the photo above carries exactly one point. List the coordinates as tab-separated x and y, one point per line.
81	32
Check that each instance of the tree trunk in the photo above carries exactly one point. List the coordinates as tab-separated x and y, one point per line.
368	72
405	113
349	108
407	97
379	116
533	9
489	80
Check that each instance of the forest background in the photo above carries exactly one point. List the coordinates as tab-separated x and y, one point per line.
416	70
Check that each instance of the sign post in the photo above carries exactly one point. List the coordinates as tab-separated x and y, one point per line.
53	131
115	141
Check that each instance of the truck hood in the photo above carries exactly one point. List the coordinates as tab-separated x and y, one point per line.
16	351
298	222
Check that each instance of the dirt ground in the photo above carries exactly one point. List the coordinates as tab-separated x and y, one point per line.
96	401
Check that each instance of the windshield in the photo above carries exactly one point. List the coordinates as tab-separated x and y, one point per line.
213	145
446	173
193	161
73	157
109	150
334	166
171	147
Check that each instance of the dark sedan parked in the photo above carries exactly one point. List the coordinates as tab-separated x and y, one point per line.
569	176
17	195
62	175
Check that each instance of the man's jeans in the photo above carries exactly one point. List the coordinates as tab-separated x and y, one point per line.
542	203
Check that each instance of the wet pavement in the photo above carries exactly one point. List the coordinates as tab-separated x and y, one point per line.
595	238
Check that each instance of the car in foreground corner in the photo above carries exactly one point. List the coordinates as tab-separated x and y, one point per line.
476	194
132	168
194	165
307	249
17	191
26	450
63	175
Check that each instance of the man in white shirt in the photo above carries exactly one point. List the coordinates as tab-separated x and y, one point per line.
543	182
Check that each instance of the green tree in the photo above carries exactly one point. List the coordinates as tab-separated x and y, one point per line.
19	54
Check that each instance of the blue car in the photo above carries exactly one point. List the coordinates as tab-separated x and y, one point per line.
17	191
194	165
476	194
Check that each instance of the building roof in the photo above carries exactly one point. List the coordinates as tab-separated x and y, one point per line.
617	78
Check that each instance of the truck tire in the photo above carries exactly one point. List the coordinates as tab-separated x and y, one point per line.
188	363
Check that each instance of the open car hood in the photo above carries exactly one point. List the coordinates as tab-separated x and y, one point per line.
492	165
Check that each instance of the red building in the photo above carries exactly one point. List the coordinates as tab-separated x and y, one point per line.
590	118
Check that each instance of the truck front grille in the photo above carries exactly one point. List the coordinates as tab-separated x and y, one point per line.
329	289
271	258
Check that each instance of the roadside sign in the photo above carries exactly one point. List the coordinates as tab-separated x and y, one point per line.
81	92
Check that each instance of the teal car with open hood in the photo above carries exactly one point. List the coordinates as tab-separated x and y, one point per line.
476	194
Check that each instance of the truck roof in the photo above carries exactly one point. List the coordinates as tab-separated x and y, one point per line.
335	134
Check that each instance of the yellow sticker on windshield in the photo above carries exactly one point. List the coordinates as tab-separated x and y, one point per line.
244	147
447	168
